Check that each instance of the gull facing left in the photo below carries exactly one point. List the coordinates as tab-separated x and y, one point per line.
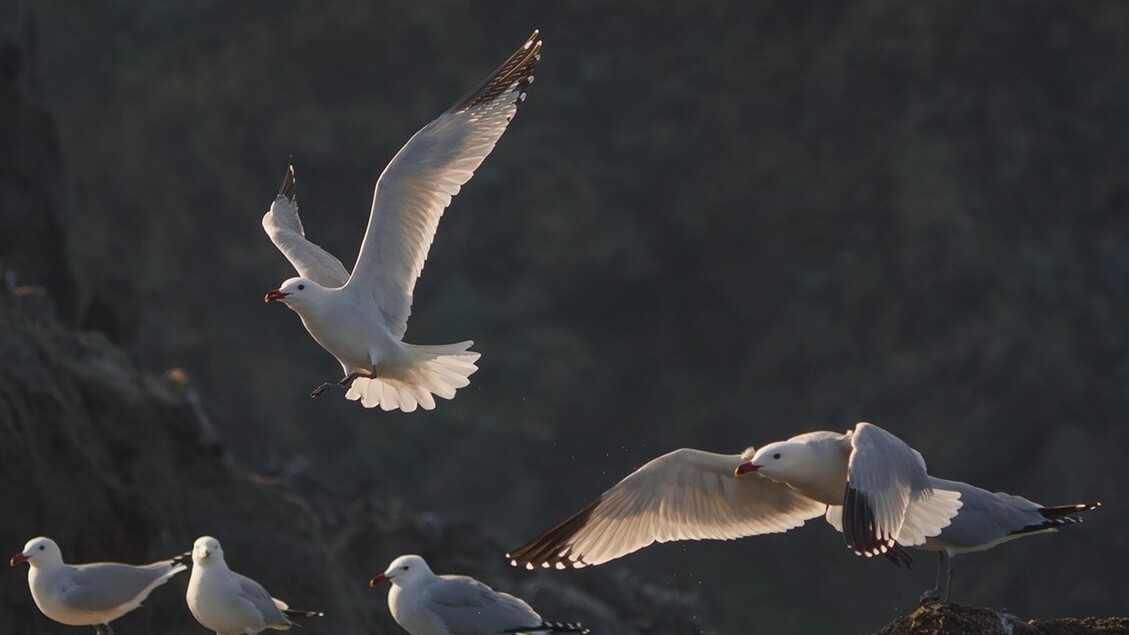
427	604
88	594
361	318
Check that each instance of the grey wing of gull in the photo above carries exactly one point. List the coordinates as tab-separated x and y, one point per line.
884	476
985	518
469	607
284	227
420	181
684	495
254	593
104	585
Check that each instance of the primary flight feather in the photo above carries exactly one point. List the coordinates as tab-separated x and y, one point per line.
360	318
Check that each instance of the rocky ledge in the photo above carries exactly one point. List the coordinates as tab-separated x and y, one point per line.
954	619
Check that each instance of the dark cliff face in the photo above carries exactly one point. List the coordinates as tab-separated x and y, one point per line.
32	184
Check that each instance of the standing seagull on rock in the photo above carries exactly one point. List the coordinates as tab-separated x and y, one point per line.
423	603
361	318
688	494
985	519
88	594
229	603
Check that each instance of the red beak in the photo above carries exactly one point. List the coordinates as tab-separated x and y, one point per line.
273	295
745	468
17	559
380	577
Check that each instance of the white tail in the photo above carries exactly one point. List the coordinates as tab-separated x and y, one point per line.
439	370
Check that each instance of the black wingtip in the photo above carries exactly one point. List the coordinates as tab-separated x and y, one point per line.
860	527
552	548
288	183
184	559
515	74
899	556
302	613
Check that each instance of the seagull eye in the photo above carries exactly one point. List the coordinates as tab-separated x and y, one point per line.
776	456
405	567
42	547
301	287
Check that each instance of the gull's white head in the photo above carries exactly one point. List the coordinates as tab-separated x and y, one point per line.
206	550
782	461
38	552
404	571
296	293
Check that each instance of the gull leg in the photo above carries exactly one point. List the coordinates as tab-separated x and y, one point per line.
109	631
948	576
934	594
345	383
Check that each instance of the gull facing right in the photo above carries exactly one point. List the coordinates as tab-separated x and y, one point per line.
361	318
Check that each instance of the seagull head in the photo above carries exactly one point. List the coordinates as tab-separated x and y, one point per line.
206	550
38	552
295	292
778	461
403	571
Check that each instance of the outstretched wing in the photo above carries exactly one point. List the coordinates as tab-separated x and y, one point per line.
888	490
684	495
284	227
425	174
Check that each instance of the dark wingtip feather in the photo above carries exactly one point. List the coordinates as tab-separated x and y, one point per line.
860	529
302	613
288	183
550	549
516	74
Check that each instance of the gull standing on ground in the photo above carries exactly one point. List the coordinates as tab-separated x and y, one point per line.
229	603
695	495
88	594
986	519
423	603
361	318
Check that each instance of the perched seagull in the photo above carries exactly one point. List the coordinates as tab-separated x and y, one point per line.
231	604
361	318
986	519
694	495
423	603
88	594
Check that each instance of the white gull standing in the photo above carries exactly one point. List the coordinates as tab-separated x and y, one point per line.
986	519
229	603
695	495
423	603
361	318
88	594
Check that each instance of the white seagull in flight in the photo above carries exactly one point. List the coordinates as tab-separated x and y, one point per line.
361	318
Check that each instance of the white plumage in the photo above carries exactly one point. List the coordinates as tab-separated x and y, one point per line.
361	318
694	495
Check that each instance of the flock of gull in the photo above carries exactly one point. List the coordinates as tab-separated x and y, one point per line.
867	483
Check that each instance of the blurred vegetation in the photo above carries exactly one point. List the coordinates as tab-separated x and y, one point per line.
713	224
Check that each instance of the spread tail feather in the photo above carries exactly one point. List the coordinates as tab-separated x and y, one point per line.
435	370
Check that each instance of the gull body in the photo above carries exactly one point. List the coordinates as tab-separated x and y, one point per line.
423	603
361	317
988	519
88	594
694	495
229	603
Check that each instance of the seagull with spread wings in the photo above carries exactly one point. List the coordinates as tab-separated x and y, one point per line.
361	318
868	480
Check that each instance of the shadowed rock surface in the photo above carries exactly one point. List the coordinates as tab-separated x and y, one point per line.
953	619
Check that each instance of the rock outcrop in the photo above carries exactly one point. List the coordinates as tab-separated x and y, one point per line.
953	619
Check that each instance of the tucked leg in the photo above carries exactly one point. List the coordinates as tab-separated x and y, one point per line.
345	383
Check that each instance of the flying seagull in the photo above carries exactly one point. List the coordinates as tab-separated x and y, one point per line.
88	594
361	318
229	603
423	603
878	480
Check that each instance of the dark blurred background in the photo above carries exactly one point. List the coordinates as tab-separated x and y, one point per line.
713	224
